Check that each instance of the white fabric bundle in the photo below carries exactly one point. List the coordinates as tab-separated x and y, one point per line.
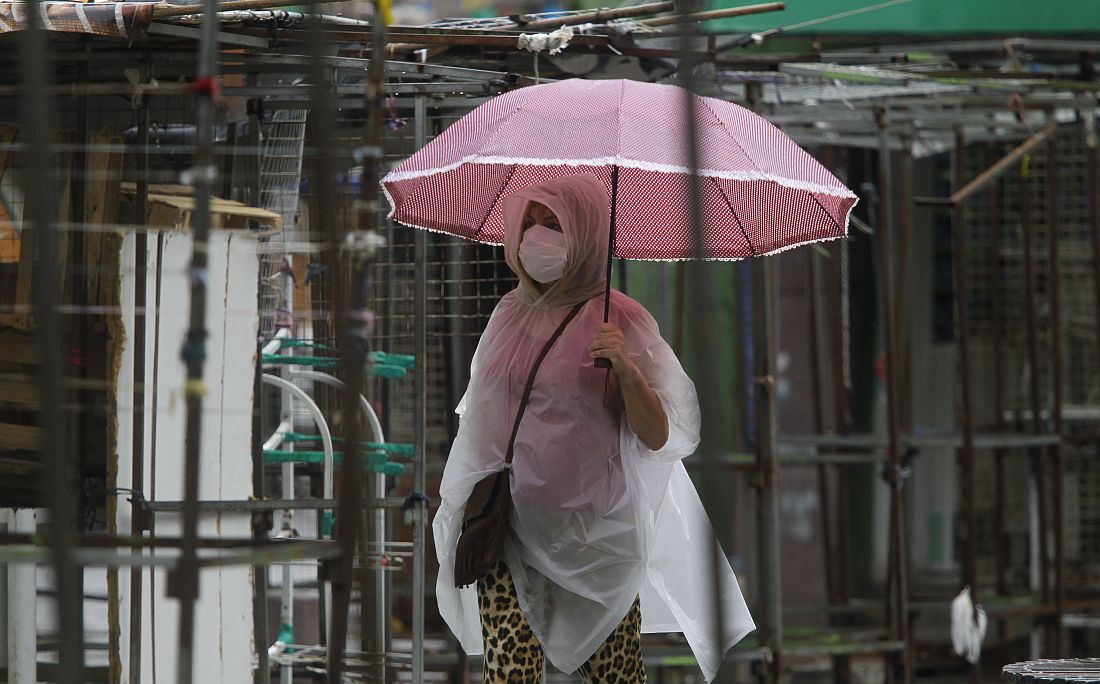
555	41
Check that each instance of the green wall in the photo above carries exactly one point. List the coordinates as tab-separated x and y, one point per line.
927	17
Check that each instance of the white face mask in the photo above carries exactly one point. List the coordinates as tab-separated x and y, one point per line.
542	253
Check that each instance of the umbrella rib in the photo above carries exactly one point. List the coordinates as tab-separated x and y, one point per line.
481	225
734	212
819	204
733	138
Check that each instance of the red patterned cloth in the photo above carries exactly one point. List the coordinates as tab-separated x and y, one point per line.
120	19
761	193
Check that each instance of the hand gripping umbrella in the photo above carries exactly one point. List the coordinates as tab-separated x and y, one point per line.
760	192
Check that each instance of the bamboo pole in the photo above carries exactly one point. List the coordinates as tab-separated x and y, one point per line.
992	172
594	17
711	15
165	11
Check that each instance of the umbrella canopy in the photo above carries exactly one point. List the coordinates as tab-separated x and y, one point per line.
761	193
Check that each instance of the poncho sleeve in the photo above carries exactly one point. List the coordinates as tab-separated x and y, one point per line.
680	586
665	375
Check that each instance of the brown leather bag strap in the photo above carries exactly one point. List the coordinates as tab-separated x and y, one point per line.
531	377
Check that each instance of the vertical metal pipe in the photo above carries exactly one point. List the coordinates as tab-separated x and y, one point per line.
337	285
993	211
350	328
420	510
375	101
1031	331
767	466
1094	206
1055	292
905	231
817	407
262	675
897	608
707	387
251	188
185	582
39	216
962	325
137	411
838	275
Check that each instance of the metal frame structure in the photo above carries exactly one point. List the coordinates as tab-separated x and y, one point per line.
818	102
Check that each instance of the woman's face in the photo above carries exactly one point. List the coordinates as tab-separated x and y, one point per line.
540	214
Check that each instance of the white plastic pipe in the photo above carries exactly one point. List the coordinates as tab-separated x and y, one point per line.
22	616
276	439
276	343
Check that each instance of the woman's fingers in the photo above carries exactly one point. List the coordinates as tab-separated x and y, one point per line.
609	343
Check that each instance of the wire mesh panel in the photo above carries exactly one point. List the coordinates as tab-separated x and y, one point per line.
998	297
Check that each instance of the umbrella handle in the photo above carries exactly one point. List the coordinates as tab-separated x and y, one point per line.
600	361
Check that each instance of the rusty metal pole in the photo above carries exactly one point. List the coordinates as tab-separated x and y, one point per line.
709	390
766	466
838	308
137	411
184	578
1055	293
1031	331
966	416
813	286
1094	207
905	232
342	279
57	477
993	209
896	601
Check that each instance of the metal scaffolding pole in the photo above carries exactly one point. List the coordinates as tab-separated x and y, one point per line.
419	505
137	470
767	467
1094	205
58	476
1031	331
1055	294
184	578
966	415
897	593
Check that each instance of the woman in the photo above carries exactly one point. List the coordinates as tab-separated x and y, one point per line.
608	536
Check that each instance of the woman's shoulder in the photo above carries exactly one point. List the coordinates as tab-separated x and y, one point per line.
627	312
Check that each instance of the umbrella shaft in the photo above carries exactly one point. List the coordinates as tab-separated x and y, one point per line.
611	242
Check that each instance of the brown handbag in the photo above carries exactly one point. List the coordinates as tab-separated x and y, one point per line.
488	510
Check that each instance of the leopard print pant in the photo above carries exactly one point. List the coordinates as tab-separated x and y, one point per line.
513	653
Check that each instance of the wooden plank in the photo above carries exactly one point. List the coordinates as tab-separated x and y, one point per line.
21	393
181	198
64	157
17	347
25	437
7	137
101	200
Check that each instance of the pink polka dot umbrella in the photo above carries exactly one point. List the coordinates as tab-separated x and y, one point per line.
760	192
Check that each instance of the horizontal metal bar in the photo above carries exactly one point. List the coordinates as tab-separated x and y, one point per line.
174	31
277	553
271	553
269	505
843	648
933	201
473	88
988	440
436	103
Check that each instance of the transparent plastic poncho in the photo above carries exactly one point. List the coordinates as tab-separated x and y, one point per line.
599	518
